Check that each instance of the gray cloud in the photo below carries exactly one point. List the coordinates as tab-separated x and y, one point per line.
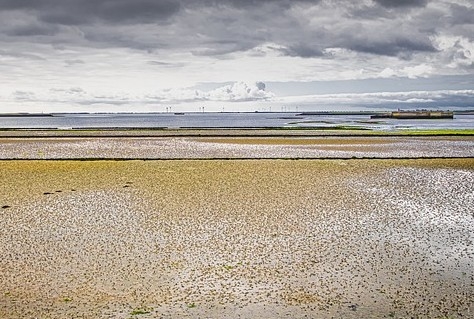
402	3
393	47
29	30
73	62
223	47
20	55
24	96
159	63
70	12
119	11
461	14
217	28
302	50
406	30
245	4
106	45
165	64
70	91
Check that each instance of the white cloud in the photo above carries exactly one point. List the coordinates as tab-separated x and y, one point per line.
235	92
232	93
240	91
413	72
234	97
387	73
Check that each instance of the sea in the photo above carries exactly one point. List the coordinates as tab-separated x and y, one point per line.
227	120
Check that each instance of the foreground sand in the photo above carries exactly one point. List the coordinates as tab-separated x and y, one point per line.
237	239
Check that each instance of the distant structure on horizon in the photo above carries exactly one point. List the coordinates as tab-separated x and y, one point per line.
423	114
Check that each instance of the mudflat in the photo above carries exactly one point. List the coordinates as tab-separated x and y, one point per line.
241	238
234	147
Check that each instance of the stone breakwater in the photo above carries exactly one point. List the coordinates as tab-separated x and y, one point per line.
237	147
230	239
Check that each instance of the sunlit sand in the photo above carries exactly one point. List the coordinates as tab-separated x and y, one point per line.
221	239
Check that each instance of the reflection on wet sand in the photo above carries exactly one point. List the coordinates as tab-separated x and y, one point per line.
268	238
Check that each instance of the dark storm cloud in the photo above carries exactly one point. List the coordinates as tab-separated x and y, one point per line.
284	4
402	3
34	29
393	47
119	11
71	12
22	4
219	28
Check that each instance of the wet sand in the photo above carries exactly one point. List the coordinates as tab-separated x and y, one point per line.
191	147
237	239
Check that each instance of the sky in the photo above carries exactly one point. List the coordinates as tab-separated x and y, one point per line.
235	55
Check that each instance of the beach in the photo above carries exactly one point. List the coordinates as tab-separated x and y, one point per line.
292	144
341	238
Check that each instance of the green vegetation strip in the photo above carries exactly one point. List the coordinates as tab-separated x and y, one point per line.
233	132
438	132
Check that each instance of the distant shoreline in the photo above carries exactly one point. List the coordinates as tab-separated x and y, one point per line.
161	132
320	123
332	113
25	114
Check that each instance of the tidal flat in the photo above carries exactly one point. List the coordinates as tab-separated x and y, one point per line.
235	147
357	238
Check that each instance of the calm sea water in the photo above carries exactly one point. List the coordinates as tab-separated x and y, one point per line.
226	120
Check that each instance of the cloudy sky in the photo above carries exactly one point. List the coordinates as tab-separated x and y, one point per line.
186	55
